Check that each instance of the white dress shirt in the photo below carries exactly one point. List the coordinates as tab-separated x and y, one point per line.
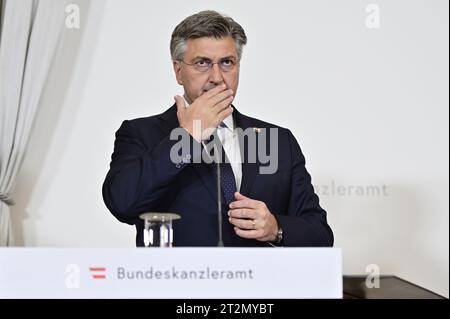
230	141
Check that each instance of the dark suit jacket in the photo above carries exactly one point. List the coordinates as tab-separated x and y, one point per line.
142	178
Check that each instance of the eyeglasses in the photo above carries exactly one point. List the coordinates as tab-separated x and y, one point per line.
204	65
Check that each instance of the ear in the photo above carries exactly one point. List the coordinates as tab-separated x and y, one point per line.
177	69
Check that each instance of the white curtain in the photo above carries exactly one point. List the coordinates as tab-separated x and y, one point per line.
29	36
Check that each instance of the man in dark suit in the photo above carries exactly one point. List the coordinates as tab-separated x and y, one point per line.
262	206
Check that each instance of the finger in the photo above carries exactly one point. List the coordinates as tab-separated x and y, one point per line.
223	104
245	203
239	196
243	213
181	106
224	114
249	234
214	91
222	96
243	223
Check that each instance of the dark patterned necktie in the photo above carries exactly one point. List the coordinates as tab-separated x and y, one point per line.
228	182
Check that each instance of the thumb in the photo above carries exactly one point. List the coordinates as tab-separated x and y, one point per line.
181	106
239	196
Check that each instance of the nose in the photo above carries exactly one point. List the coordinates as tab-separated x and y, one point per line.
215	75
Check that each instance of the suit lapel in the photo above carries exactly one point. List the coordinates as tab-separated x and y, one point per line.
249	170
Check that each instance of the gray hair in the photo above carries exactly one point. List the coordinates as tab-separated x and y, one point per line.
209	24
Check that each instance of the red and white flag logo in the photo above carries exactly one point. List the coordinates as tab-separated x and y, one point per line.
98	272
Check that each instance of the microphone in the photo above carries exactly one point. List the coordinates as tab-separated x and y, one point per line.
219	197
